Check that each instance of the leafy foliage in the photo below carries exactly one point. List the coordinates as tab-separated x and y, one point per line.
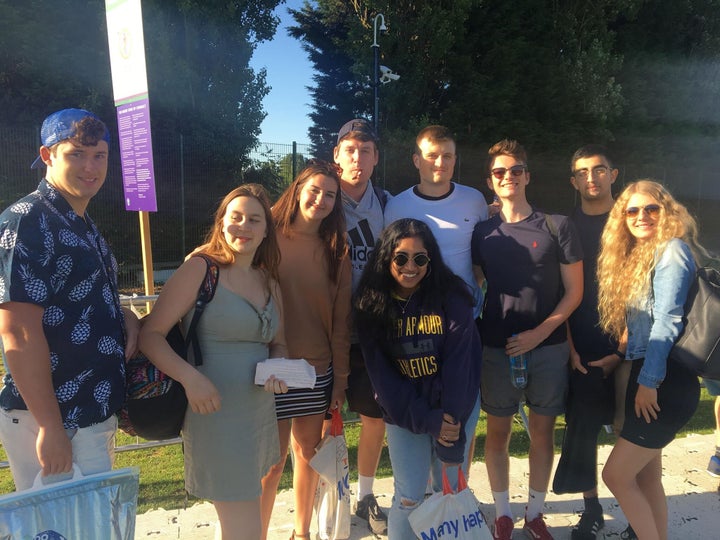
638	75
55	54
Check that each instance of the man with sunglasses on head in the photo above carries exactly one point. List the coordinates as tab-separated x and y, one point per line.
451	210
533	265
593	354
357	155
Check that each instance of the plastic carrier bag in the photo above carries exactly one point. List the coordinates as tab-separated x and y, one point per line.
451	515
97	506
332	499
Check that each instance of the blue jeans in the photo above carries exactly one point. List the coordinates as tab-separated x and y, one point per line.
413	459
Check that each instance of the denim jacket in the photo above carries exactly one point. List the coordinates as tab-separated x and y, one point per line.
654	328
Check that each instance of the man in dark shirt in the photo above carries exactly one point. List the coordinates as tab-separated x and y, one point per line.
593	354
533	265
64	334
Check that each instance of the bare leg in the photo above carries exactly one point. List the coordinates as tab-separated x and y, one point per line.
650	482
306	435
272	478
239	520
622	473
541	450
372	436
497	444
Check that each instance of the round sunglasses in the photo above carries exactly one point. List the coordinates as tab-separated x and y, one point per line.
420	259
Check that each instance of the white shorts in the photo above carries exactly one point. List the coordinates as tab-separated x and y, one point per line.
93	447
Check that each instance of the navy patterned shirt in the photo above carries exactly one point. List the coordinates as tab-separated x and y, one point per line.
51	257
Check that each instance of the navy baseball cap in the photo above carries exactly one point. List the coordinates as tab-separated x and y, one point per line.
60	126
358	125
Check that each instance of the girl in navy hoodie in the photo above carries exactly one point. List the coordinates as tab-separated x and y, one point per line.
422	350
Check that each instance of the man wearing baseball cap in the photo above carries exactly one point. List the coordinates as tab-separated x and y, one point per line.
357	155
64	335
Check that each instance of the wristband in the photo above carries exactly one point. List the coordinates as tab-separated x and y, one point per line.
619	353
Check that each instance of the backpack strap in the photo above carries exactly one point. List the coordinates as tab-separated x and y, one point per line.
382	196
205	295
552	228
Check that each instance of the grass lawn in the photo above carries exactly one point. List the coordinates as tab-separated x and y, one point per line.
161	468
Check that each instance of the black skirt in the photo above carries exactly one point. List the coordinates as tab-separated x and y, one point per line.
678	398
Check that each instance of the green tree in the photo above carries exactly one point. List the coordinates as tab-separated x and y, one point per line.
543	71
268	174
338	93
199	75
53	54
290	163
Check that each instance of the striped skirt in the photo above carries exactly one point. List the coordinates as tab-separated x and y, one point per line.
306	401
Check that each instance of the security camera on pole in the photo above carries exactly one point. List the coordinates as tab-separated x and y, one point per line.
387	73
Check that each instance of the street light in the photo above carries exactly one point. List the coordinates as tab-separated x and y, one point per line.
376	69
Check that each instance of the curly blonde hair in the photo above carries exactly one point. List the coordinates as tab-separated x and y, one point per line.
625	266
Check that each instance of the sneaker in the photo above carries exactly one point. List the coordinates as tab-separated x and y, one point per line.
368	510
714	465
536	529
503	528
628	534
588	526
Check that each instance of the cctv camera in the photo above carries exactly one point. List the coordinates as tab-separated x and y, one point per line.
387	75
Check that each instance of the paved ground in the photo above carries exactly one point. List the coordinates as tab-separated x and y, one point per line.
693	502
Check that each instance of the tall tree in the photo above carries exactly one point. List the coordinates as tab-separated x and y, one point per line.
55	54
480	67
338	94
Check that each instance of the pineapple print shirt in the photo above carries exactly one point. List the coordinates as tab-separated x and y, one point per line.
54	258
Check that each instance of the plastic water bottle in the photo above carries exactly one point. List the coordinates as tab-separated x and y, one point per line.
519	371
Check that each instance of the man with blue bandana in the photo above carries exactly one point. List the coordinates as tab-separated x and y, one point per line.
65	337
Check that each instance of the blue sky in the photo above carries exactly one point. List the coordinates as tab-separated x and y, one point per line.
289	72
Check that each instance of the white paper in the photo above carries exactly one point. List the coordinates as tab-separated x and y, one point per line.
295	372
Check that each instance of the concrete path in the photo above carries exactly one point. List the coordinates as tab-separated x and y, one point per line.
693	502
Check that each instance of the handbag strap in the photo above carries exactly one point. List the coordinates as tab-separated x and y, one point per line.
462	483
205	295
336	423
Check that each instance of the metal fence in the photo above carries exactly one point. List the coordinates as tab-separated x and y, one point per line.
188	186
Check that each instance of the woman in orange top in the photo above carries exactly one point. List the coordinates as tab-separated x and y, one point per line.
315	281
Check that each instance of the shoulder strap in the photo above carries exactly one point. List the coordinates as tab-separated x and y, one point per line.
205	295
551	227
381	195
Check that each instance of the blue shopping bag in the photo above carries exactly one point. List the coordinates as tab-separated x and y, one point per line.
89	507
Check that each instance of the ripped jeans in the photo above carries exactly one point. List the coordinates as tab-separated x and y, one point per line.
413	459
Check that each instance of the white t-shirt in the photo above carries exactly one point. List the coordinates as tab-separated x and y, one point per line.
451	219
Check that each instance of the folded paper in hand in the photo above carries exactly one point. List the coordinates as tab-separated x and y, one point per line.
295	372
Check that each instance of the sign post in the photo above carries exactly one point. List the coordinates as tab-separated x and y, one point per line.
130	91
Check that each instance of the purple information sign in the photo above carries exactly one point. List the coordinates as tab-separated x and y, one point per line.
136	155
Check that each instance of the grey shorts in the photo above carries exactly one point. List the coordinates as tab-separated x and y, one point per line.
547	387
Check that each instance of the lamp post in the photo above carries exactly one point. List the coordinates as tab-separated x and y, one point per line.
376	68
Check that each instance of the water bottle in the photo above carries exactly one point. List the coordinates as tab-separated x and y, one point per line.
519	371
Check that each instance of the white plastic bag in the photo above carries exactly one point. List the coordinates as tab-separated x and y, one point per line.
450	515
332	500
89	507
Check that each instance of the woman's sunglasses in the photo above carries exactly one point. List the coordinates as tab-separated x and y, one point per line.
420	259
651	210
516	170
